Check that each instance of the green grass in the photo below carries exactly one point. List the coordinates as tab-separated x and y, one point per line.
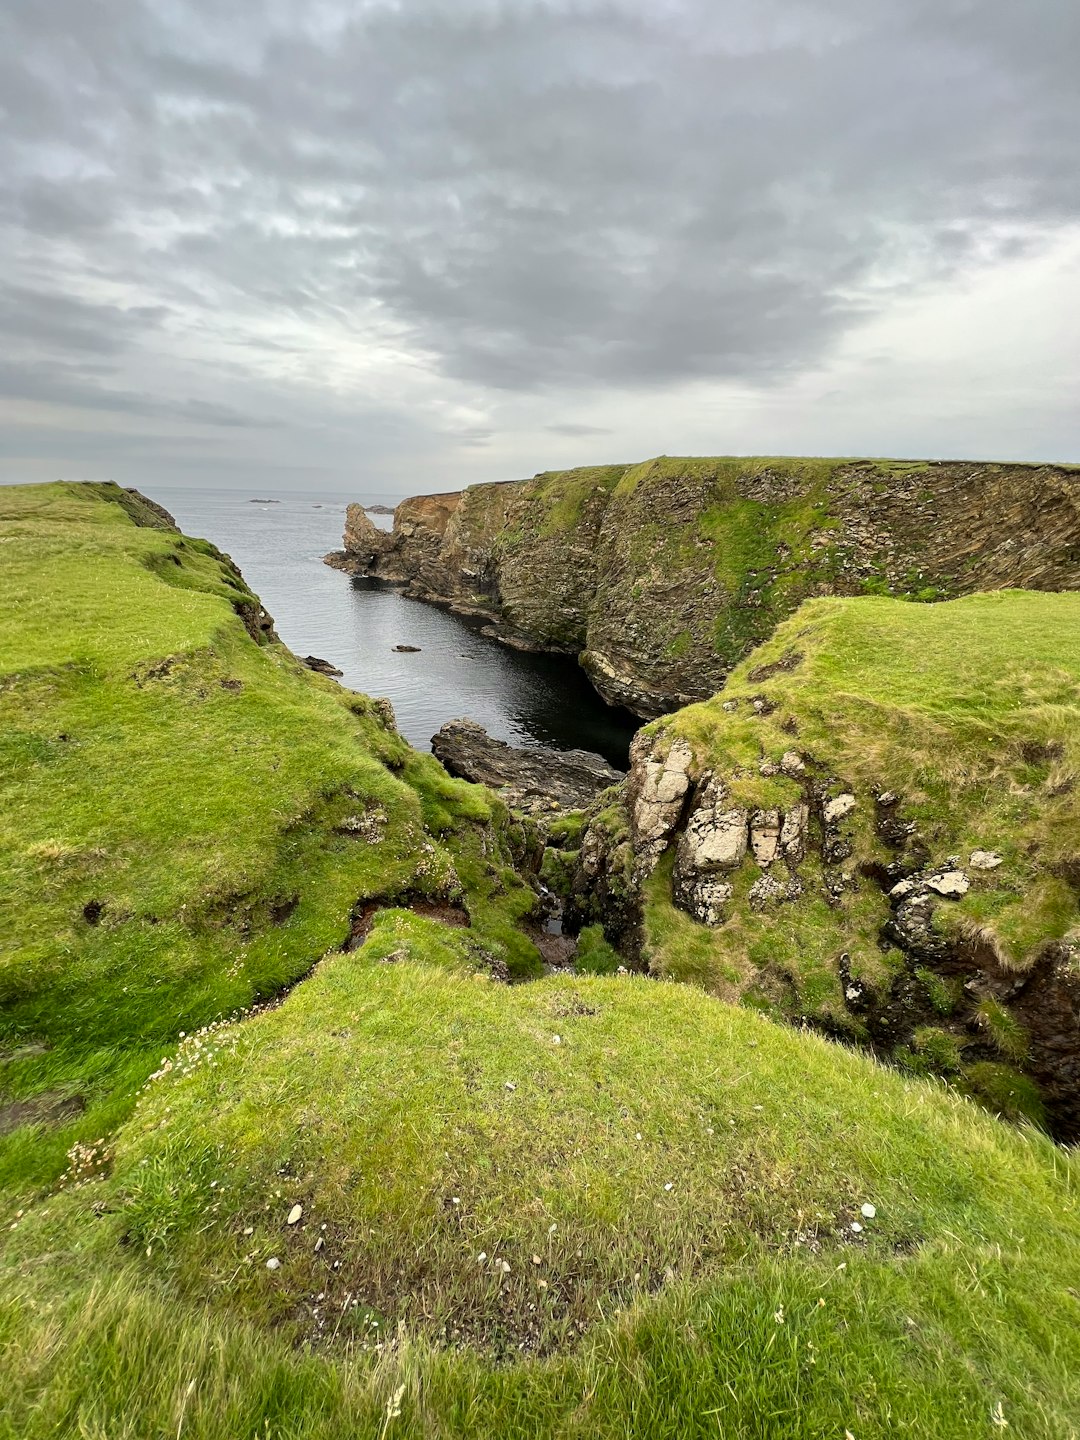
740	1298
663	1187
970	711
192	789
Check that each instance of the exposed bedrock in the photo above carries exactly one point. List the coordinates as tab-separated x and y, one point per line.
942	994
661	576
537	781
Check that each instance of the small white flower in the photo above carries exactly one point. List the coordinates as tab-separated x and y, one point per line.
997	1417
779	1316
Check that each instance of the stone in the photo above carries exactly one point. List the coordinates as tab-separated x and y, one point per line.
273	1263
656	789
793	833
952	884
901	889
294	1215
536	781
792	763
322	667
765	827
767	891
715	839
985	860
838	809
705	899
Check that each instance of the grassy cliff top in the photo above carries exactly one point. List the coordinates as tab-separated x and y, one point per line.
578	1207
186	813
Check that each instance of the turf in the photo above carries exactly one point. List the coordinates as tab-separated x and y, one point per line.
970	711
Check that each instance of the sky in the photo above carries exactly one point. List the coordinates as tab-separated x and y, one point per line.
403	245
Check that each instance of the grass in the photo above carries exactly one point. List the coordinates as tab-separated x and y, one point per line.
970	711
174	842
593	1206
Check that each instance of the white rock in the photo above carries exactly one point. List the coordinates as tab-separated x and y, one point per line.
792	763
793	833
904	887
715	839
765	836
985	860
952	884
837	809
868	1212
294	1215
273	1263
856	1227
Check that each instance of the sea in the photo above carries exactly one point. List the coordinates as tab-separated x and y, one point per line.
279	541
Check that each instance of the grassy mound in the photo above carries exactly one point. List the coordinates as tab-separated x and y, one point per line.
742	1300
188	818
967	716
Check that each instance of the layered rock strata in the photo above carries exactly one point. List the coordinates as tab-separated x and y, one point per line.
661	576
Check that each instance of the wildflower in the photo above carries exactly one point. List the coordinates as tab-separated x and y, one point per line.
997	1417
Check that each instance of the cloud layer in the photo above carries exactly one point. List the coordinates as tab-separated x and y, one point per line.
335	238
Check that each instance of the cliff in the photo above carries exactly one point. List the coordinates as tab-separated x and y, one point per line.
660	577
873	830
280	1154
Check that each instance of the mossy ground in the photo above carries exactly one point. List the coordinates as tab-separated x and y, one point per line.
970	711
663	1189
179	810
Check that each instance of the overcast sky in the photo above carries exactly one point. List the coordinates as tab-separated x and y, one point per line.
399	245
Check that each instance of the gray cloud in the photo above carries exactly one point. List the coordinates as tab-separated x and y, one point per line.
524	196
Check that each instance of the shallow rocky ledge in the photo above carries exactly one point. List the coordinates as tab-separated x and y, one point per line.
537	781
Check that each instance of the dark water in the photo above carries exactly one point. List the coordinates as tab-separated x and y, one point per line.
524	699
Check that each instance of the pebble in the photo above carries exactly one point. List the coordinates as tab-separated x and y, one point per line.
294	1214
273	1263
868	1212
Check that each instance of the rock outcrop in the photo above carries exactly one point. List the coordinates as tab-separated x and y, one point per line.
661	576
537	781
907	877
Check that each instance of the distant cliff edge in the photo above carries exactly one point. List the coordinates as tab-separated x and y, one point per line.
661	576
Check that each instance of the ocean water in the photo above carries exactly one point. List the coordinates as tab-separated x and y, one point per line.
458	672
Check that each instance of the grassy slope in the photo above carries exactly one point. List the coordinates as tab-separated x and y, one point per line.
739	1302
154	761
970	710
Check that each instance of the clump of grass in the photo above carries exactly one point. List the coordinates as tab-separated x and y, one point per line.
1003	1028
594	955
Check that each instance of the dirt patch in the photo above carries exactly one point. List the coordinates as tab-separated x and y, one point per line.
52	1107
363	917
791	660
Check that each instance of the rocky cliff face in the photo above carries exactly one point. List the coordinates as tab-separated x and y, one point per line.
873	830
662	576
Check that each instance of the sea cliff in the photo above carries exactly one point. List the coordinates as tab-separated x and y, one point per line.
662	576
